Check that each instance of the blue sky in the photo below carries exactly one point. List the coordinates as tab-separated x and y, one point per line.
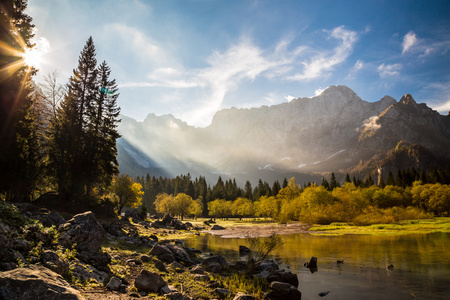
191	58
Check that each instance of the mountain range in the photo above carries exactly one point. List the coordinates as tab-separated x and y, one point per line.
308	138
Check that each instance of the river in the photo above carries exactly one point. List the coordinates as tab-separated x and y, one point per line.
421	264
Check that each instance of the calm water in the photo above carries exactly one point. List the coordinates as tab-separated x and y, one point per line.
421	264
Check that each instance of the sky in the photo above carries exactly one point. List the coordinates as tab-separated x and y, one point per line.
191	58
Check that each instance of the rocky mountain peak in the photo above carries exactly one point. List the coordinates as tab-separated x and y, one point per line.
340	92
408	100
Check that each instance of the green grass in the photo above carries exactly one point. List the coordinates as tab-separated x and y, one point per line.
438	224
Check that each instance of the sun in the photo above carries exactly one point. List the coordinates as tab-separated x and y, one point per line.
32	57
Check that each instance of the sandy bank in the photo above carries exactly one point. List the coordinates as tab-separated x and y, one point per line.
260	230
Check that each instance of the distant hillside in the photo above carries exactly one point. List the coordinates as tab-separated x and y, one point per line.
335	131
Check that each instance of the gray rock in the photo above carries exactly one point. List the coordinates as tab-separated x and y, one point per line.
88	273
149	282
145	258
177	296
197	270
36	283
223	293
281	287
167	258
282	291
268	265
169	289
217	227
201	277
242	296
83	230
158	250
160	266
284	276
176	265
53	219
99	260
243	250
114	284
180	254
213	261
51	260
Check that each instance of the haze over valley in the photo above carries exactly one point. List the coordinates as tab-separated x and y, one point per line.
335	131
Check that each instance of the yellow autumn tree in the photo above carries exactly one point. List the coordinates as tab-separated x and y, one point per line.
128	193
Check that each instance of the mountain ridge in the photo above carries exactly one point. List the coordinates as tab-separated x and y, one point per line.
331	132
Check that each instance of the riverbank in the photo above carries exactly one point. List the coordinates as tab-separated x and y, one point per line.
235	228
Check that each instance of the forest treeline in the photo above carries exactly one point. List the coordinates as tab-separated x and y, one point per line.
409	194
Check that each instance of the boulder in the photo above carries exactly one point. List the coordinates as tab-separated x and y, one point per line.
114	284
217	227
35	283
53	219
282	291
268	265
243	250
167	258
51	260
177	296
201	277
180	254
134	214
242	296
149	282
159	250
169	289
160	266
83	230
223	293
88	273
197	270
146	258
283	276
212	263
99	260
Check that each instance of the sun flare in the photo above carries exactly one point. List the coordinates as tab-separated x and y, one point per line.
32	57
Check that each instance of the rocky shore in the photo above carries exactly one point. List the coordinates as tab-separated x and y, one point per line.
43	256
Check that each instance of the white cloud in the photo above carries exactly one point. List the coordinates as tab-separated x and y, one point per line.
443	108
358	65
409	40
324	62
389	70
141	44
289	98
318	91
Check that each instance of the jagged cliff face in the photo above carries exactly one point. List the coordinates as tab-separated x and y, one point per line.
330	132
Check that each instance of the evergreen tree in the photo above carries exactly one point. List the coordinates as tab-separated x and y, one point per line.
333	182
103	115
390	179
325	183
276	188
369	181
248	192
20	153
84	131
347	178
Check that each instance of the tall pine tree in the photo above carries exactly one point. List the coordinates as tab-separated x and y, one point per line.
84	130
20	154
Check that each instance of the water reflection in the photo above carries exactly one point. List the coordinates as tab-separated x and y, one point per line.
421	264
